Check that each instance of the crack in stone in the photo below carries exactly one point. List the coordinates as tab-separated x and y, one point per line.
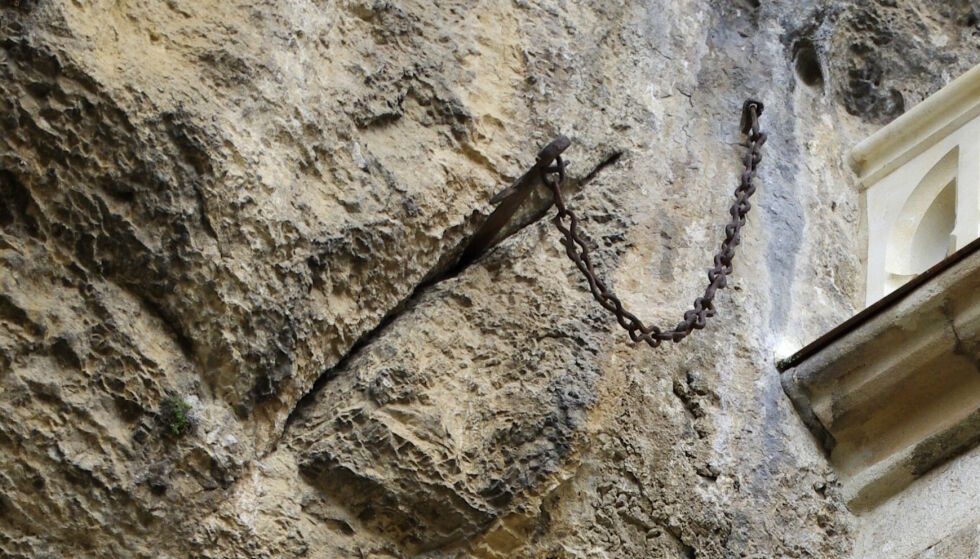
960	346
441	272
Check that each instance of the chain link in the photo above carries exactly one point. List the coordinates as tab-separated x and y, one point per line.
695	318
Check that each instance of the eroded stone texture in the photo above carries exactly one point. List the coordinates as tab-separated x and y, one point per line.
215	201
889	44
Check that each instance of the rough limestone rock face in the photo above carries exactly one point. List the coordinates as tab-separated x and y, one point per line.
230	324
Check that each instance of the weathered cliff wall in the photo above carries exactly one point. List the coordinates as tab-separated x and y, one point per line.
247	211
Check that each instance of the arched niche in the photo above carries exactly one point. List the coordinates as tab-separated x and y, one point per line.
921	235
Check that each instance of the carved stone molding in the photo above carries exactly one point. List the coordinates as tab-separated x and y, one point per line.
896	390
919	179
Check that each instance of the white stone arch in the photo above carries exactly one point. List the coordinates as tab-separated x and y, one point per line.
919	179
922	234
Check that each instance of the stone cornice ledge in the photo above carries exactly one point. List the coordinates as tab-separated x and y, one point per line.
900	393
918	129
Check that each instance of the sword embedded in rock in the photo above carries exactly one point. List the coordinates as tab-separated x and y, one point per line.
510	199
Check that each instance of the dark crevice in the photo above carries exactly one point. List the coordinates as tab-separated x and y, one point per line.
609	160
331	372
19	206
807	63
21	4
11	313
441	272
960	346
400	308
689	552
206	223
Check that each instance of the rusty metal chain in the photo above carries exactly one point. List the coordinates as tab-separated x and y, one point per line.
696	318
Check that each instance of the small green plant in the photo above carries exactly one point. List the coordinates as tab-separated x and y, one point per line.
176	415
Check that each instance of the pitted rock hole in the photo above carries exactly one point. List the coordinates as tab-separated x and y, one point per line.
807	63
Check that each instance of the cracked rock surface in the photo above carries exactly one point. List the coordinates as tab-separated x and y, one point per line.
249	211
